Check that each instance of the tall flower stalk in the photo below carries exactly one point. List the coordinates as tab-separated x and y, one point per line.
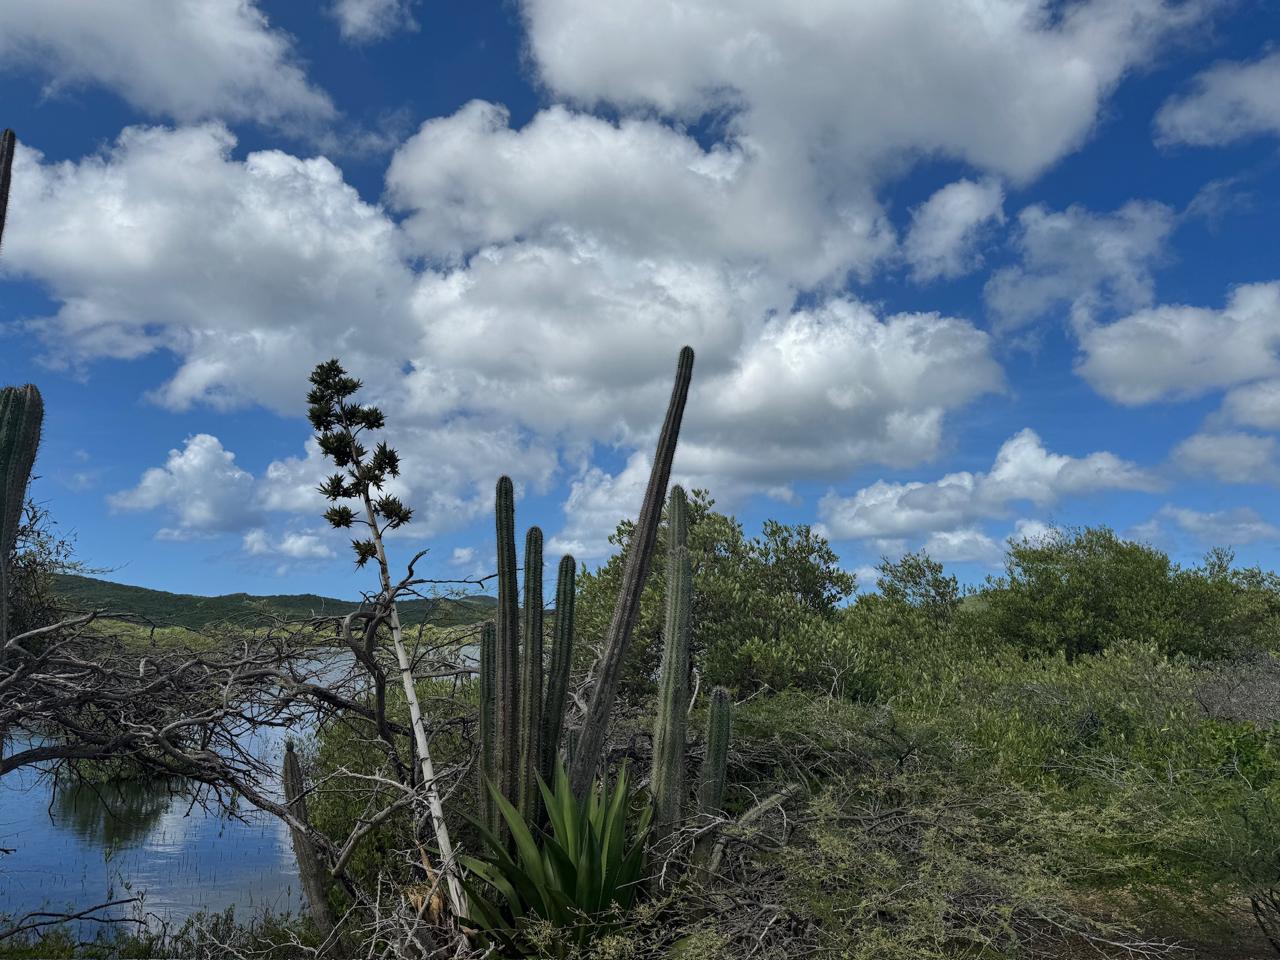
339	424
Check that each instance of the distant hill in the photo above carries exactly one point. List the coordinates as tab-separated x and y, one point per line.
194	612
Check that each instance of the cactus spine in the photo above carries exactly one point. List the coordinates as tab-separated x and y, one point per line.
668	783
635	573
21	415
315	884
558	669
530	805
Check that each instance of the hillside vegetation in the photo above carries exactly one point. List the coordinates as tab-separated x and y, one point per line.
196	612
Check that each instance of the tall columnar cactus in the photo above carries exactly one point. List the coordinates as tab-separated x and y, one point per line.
668	783
7	143
507	652
530	805
315	879
634	575
21	415
558	669
488	736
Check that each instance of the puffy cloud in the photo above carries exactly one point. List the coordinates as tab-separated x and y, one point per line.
365	21
636	190
1234	527
1023	470
946	228
250	271
200	486
1230	457
1178	351
967	545
1232	100
300	545
822	392
183	59
596	504
1255	405
1082	259
1009	86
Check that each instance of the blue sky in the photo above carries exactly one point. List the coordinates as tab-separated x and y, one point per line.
952	271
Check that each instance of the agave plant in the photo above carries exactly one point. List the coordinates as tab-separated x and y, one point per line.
579	880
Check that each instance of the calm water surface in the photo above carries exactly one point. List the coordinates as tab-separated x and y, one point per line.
77	847
80	846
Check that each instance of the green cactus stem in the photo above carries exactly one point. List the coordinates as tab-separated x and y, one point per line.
636	572
713	776
558	669
530	802
668	782
315	879
711	779
21	416
507	652
488	773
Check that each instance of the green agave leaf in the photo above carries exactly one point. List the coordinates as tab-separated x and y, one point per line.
561	866
560	808
530	857
587	892
496	879
614	826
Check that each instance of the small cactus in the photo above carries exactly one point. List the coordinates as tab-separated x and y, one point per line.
713	776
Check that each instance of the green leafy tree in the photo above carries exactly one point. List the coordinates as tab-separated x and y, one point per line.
918	581
757	603
1079	590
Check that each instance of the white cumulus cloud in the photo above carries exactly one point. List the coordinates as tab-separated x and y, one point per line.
185	60
1080	259
1023	470
1230	457
366	21
946	228
200	487
1006	86
250	271
1230	101
1220	528
1181	351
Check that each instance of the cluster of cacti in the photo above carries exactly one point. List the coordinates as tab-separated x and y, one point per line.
21	414
520	725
